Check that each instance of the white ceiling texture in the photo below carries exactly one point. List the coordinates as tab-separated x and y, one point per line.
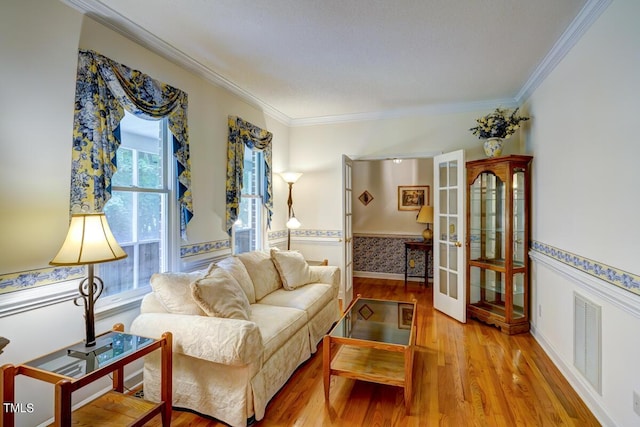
319	61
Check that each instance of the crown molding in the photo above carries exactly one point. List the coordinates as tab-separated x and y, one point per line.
587	16
103	14
424	110
108	17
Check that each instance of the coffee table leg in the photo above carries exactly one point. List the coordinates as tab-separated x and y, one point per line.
326	366
408	378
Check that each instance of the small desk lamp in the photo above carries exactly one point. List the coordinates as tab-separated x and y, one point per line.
89	241
425	216
292	222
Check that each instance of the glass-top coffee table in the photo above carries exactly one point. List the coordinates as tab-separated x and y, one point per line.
373	341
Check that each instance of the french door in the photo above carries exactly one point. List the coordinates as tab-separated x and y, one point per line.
346	292
449	290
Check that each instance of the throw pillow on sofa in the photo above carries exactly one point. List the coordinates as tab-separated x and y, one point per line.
220	295
174	293
236	268
263	273
292	267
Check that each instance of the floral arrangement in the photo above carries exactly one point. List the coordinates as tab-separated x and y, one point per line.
498	124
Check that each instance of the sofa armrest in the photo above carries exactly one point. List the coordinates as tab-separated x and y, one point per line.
326	274
224	341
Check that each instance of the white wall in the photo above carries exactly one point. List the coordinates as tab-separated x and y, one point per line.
39	46
381	179
317	151
585	178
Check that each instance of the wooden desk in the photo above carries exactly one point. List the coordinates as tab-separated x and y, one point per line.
417	245
74	368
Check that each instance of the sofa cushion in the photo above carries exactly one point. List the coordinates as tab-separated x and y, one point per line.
277	325
292	268
311	298
174	293
263	273
220	295
236	268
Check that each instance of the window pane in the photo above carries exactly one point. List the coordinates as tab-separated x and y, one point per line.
149	216
118	275
247	228
149	170
124	175
119	212
150	256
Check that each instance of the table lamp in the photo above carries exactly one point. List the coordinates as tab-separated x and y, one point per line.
425	216
89	241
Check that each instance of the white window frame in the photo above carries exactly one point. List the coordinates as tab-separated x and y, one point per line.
260	178
170	231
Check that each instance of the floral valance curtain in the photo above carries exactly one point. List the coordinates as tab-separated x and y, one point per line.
241	134
104	89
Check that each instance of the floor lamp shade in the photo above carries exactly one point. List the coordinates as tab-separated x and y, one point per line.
89	241
290	177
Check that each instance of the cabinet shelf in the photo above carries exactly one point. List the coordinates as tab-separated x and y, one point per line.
497	267
496	264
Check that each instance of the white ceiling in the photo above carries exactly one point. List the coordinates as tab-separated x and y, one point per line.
309	61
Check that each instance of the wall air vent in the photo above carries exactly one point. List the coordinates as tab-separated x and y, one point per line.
587	350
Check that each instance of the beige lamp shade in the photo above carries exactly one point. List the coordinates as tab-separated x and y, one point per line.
425	216
89	241
290	177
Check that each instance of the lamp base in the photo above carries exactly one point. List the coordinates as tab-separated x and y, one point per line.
82	351
427	234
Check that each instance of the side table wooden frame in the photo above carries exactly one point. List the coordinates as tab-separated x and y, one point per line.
416	245
65	386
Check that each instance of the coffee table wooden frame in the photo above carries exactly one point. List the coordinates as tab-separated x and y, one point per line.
373	361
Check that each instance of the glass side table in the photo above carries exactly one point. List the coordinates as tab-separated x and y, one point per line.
72	368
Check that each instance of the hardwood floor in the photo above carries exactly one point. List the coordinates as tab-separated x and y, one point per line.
464	375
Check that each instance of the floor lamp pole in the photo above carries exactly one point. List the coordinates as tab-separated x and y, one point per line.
289	204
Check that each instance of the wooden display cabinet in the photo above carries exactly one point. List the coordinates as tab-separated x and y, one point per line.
498	197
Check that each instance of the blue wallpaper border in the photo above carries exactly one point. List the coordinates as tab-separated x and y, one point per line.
615	276
204	248
40	277
49	275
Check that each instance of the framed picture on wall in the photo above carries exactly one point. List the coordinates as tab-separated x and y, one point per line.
412	197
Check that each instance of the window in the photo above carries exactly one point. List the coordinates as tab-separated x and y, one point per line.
248	228
138	211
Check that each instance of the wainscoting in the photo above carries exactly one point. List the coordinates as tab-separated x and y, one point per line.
382	255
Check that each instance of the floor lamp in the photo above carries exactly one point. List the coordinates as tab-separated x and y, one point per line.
89	241
292	222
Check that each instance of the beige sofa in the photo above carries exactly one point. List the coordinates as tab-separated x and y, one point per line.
240	329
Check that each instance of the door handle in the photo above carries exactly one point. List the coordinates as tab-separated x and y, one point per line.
458	244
